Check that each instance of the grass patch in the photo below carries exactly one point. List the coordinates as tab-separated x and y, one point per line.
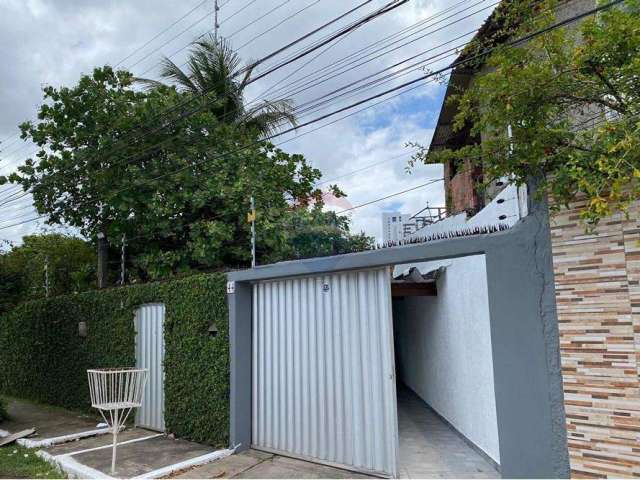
20	462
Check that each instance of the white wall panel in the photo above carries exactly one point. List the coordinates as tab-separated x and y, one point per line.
444	350
323	369
149	325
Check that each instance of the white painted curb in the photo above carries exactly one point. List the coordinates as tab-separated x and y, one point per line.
48	442
71	467
194	462
75	469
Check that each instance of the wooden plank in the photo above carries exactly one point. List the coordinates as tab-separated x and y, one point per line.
16	436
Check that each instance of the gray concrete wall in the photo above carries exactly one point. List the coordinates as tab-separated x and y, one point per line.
524	332
443	347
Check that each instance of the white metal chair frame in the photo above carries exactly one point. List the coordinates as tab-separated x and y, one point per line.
115	392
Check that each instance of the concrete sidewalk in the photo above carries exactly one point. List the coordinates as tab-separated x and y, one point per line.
49	421
85	452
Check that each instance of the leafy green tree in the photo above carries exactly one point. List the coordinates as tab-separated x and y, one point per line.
70	264
562	108
177	186
312	232
214	71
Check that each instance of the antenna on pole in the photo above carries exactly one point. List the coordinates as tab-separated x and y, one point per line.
216	25
46	276
122	259
252	219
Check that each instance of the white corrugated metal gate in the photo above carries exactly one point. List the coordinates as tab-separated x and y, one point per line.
149	323
323	370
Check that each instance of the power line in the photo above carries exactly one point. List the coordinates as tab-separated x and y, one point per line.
335	65
162	32
361	22
383	92
390	196
277	25
453	65
282	4
12	200
578	126
367	167
404	85
350	65
238	11
167	42
22	223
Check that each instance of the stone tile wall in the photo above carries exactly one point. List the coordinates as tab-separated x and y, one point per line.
597	280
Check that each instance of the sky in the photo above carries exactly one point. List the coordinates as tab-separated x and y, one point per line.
53	42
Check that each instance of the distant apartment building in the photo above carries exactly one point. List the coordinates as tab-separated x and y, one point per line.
393	226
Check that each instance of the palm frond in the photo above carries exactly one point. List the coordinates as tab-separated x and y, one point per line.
212	71
171	71
149	83
269	117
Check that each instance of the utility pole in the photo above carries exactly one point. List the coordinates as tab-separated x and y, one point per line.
103	254
46	276
216	25
252	219
122	259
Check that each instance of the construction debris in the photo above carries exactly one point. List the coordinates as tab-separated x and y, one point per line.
16	436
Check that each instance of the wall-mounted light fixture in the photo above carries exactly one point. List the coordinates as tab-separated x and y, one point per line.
213	330
82	329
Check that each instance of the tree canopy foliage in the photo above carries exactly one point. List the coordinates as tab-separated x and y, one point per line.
169	168
70	264
312	232
562	107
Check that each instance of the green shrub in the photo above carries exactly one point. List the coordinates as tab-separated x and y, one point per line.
3	410
44	359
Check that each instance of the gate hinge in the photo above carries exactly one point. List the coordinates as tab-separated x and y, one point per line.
231	287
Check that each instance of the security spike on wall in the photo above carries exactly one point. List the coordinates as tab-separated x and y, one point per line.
461	232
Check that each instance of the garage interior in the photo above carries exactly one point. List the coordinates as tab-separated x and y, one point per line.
447	421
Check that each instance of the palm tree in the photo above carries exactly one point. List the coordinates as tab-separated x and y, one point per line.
214	72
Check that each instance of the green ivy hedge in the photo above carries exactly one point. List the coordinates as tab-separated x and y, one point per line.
43	358
3	410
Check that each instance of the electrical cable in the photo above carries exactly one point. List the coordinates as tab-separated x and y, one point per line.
338	64
390	196
162	32
366	19
367	167
182	32
453	65
338	213
277	25
282	4
409	83
238	11
332	74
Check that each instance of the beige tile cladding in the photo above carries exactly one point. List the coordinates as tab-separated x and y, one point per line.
597	280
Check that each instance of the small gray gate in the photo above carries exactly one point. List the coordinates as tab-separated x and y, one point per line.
149	323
